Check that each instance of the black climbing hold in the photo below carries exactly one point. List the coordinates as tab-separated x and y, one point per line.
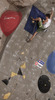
44	84
19	72
6	81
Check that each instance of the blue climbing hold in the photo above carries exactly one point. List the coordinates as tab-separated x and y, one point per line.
51	63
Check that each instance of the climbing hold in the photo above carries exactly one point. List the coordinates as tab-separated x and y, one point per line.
6	96
24	77
51	63
19	72
22	53
13	74
23	66
6	81
9	21
44	84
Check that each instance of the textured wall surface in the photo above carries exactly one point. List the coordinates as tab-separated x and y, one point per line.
4	5
22	2
39	48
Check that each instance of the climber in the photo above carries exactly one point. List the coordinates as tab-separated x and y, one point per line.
42	24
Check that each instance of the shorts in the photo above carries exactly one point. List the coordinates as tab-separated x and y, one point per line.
40	26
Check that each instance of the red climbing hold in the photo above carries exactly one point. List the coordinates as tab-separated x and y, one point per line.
9	21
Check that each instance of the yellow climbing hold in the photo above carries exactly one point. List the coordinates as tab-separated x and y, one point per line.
23	66
6	96
13	74
24	76
22	53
